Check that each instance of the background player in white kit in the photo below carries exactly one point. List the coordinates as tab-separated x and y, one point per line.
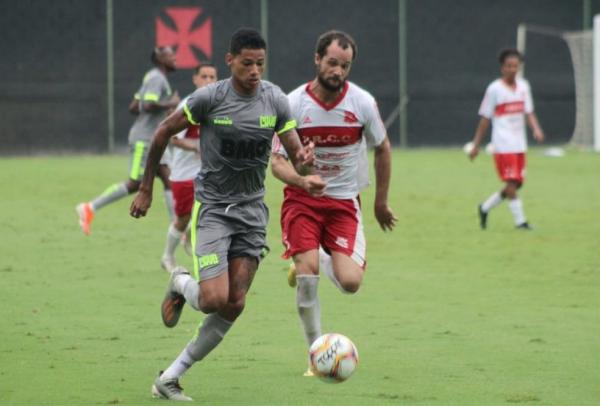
336	115
184	163
507	104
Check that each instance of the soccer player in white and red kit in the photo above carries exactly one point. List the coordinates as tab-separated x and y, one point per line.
185	165
335	115
507	104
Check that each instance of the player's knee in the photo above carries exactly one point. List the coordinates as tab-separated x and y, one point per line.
212	302
350	287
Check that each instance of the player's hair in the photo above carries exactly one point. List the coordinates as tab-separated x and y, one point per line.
246	38
508	53
344	40
204	64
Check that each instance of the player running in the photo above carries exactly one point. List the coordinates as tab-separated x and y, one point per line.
507	104
336	115
238	116
184	164
152	103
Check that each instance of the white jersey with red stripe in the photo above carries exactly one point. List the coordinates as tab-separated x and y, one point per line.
506	107
340	131
185	164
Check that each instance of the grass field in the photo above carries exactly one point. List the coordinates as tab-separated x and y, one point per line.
447	315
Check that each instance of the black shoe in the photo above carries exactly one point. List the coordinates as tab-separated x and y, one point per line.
482	217
524	226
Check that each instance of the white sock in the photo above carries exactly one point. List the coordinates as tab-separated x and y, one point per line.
516	208
173	238
169	203
326	266
491	202
189	288
308	305
209	336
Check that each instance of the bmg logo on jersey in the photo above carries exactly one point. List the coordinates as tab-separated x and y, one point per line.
244	149
268	121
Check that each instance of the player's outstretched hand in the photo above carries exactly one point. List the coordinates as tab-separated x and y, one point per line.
539	136
473	153
306	156
314	185
385	217
141	204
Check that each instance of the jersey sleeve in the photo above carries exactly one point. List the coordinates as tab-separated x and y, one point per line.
153	90
374	128
285	121
197	105
488	104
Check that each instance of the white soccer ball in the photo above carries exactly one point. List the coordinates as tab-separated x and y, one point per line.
333	357
468	147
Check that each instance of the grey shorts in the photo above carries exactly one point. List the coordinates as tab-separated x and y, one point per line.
138	155
223	232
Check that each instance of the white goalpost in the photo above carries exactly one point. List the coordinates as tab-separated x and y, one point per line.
584	48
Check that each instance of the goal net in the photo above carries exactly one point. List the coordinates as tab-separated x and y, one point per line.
583	54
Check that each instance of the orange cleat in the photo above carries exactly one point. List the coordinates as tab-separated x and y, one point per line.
86	215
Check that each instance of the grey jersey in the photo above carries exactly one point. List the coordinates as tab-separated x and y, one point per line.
236	139
155	87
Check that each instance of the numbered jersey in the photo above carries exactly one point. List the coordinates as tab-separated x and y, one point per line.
339	131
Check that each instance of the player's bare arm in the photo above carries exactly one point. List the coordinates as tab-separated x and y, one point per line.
173	124
283	170
383	169
482	128
134	107
534	124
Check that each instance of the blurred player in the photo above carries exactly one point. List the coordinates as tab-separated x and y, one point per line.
336	115
507	104
238	116
184	164
151	104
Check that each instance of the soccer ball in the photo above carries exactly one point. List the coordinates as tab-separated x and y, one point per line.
468	147
333	357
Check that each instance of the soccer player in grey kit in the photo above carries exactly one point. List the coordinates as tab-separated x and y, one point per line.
238	116
151	104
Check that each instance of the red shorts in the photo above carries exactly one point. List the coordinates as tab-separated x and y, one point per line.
183	197
511	166
335	224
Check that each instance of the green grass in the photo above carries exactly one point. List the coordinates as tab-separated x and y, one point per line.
447	315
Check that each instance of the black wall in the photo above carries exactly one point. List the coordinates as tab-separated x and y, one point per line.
53	71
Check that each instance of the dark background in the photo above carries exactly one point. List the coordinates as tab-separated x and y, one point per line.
53	69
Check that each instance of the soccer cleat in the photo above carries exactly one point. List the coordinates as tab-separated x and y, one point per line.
482	218
168	263
173	303
524	226
169	389
291	275
86	215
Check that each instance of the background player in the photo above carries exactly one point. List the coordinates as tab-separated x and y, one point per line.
184	164
335	114
507	103
155	100
238	117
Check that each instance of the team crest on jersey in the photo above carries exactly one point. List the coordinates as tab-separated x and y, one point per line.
307	120
268	121
350	117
